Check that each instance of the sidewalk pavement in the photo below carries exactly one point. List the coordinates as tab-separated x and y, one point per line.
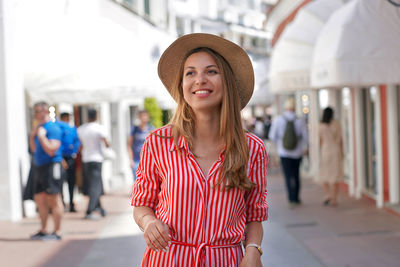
355	233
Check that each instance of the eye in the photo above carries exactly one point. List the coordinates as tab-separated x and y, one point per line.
212	72
189	73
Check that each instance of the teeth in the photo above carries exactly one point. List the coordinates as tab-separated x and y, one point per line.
202	92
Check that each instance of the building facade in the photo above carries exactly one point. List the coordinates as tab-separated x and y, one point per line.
357	73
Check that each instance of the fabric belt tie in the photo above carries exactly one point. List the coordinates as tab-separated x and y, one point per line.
200	249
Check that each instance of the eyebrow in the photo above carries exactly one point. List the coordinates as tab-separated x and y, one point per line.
209	66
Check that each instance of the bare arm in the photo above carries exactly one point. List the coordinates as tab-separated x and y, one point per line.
106	143
254	235
32	144
49	146
156	233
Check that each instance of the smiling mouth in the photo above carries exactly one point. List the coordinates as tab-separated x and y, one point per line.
199	92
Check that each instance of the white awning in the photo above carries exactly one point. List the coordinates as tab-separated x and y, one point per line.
70	59
292	55
359	46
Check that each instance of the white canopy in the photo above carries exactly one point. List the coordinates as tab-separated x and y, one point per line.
359	46
72	59
292	55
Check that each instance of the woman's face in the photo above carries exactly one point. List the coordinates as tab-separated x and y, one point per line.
202	83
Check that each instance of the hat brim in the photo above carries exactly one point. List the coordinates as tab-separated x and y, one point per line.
236	57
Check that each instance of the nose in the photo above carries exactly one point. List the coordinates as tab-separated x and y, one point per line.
201	78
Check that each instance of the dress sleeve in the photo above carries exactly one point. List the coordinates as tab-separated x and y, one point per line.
146	188
256	198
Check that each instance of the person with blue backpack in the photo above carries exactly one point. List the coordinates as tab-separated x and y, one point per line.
291	136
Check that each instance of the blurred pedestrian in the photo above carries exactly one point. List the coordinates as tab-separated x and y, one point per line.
136	139
291	136
70	146
267	126
331	156
259	127
92	136
45	143
201	186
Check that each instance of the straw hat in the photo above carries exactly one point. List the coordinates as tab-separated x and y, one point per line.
237	58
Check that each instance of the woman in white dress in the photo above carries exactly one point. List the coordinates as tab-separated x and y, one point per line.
331	152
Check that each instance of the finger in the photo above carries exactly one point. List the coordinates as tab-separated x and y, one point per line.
156	239
164	234
149	243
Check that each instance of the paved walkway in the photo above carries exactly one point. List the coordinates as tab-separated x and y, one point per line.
352	234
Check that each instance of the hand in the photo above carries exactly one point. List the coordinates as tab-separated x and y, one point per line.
251	258
156	235
41	132
64	164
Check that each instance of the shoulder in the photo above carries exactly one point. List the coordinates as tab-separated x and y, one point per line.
133	128
52	126
336	124
159	139
256	145
81	127
165	131
162	133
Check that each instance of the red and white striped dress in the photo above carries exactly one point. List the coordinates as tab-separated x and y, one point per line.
206	224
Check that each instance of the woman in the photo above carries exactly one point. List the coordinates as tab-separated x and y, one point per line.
331	162
201	187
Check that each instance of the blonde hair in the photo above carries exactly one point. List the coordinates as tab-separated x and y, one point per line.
234	173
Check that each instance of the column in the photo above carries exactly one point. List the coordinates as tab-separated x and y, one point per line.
14	159
359	137
379	148
393	141
313	134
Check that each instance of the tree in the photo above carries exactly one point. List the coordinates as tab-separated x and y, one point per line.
154	110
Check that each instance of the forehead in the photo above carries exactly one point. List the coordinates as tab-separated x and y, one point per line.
199	58
40	107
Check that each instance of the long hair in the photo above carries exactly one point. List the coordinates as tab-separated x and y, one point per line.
234	174
327	115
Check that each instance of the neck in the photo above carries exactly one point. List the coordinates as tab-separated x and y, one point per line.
207	129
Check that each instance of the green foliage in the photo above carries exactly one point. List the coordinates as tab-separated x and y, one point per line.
154	110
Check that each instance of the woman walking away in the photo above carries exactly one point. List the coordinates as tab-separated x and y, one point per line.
201	185
331	161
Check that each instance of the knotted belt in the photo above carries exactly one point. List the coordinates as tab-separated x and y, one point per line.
200	248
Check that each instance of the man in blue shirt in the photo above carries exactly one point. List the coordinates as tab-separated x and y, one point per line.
70	145
136	139
45	143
